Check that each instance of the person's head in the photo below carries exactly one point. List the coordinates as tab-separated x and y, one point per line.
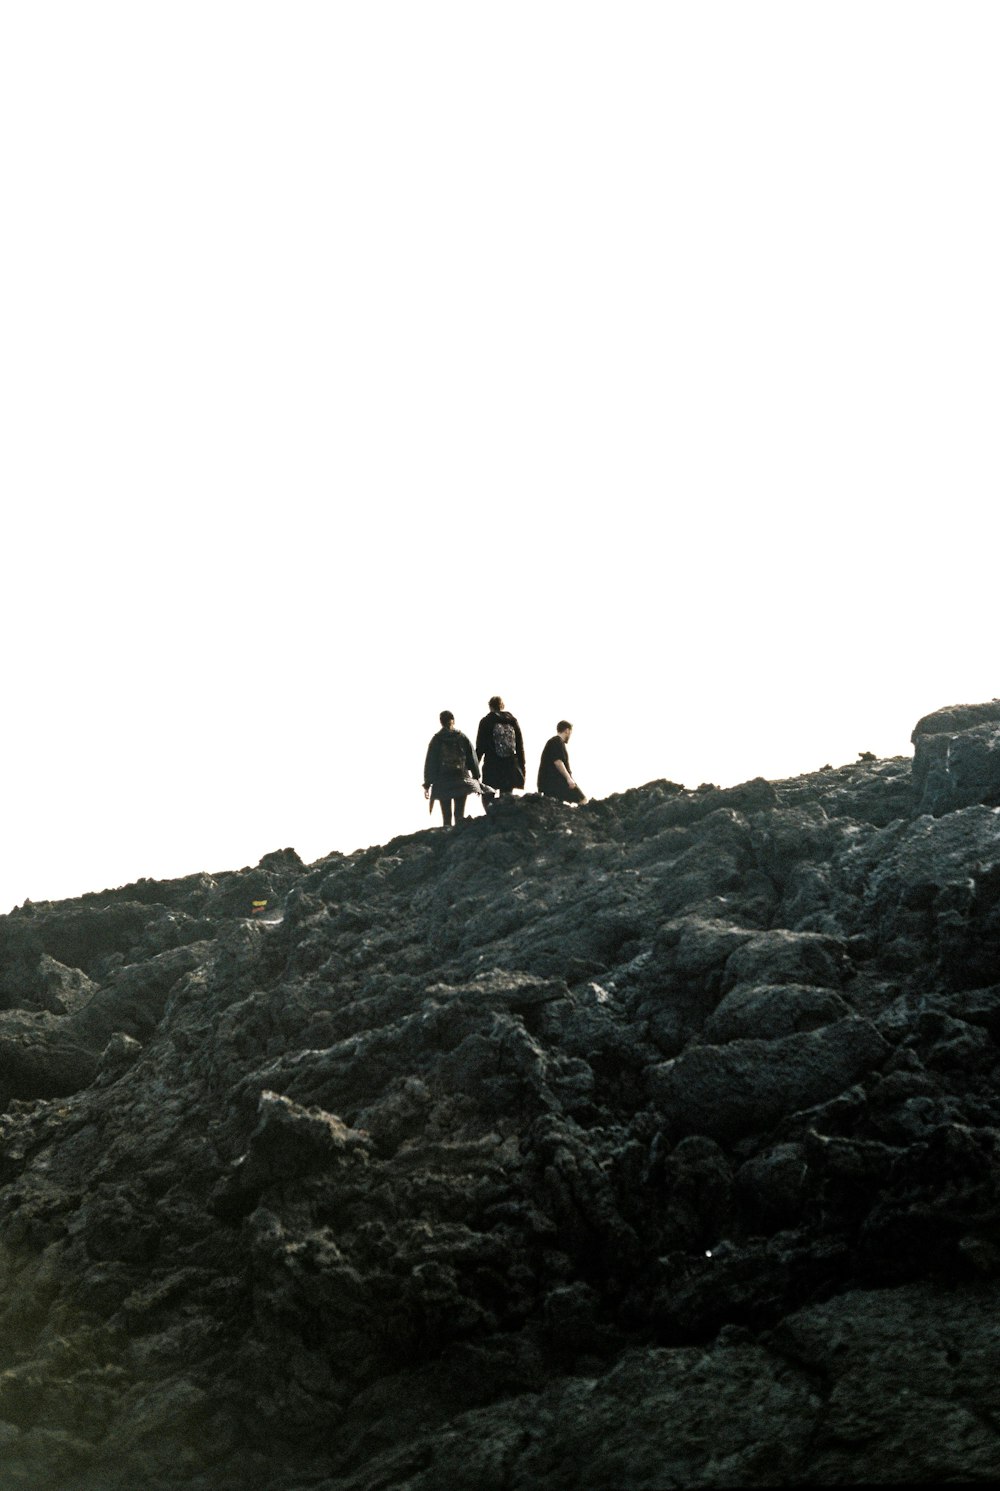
447	719
496	703
564	729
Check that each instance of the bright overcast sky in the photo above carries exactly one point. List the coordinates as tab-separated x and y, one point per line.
358	360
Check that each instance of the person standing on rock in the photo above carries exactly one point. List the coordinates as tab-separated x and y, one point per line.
554	776
500	748
451	770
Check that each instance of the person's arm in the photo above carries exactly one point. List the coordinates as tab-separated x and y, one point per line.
561	764
430	765
520	750
470	758
563	770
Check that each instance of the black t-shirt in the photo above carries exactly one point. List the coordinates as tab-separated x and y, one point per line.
550	779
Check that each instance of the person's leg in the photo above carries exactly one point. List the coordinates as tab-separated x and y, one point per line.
445	810
459	811
571	794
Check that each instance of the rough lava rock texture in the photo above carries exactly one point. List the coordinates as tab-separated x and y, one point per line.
956	758
651	1143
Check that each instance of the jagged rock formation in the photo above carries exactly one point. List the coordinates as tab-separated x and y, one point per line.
957	758
650	1143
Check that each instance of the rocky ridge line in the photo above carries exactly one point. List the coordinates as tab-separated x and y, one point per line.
654	1142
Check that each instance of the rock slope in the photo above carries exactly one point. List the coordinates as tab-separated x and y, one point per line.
652	1143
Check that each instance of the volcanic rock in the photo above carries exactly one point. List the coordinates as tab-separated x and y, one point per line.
652	1142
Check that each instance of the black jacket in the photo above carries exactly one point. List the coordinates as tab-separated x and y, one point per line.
449	783
502	772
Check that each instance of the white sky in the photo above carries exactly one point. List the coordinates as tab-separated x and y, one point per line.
358	360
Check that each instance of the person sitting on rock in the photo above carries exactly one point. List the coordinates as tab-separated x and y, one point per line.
500	748
451	770
554	776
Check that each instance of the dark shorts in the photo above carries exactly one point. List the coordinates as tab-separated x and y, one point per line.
565	793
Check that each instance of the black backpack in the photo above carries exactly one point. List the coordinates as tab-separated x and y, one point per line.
451	758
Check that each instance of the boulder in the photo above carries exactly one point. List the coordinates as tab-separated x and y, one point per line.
956	758
767	1011
747	1086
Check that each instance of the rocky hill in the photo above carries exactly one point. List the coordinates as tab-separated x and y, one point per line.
652	1143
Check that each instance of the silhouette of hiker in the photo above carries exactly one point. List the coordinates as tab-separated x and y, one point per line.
554	776
451	770
500	748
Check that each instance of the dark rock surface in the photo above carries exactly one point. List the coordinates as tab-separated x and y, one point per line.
956	758
650	1143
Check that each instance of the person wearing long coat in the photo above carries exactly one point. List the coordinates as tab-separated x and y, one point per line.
500	748
451	770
